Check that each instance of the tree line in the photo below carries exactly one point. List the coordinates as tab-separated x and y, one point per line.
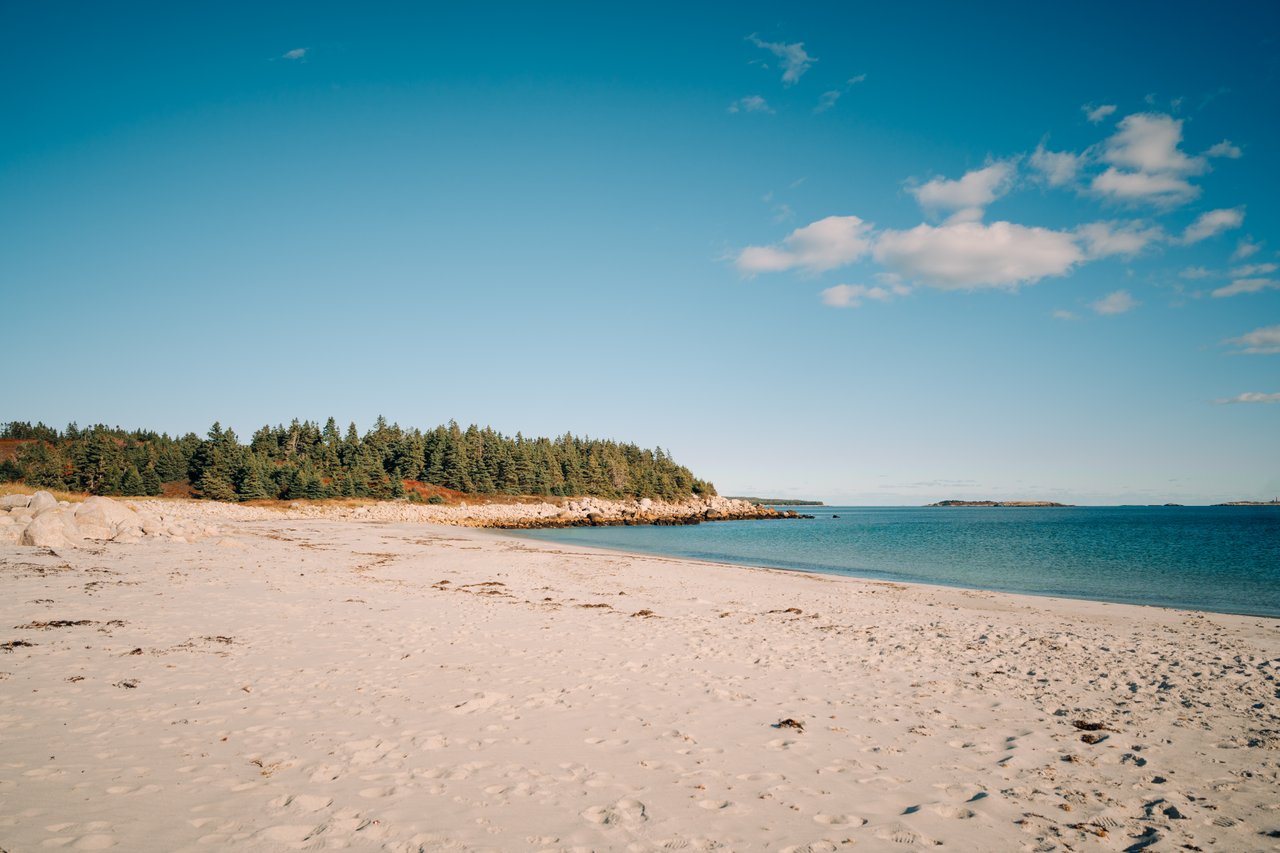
306	460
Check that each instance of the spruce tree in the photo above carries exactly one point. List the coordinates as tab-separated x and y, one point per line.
131	482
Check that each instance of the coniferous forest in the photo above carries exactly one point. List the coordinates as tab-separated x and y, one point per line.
306	460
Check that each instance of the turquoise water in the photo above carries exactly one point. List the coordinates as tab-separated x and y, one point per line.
1224	559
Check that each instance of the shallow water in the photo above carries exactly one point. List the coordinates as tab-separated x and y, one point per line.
1224	559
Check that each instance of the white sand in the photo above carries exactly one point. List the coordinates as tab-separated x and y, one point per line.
309	685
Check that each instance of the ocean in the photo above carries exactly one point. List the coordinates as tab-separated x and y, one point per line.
1224	559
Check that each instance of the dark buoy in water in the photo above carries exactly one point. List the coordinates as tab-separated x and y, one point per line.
835	516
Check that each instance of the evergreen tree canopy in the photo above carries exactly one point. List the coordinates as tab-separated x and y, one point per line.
305	460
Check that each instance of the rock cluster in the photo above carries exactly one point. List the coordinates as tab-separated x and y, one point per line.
579	512
42	520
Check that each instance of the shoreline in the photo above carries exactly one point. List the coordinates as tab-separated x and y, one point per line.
315	683
884	577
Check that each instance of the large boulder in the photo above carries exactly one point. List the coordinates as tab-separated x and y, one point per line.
103	518
40	502
8	502
51	530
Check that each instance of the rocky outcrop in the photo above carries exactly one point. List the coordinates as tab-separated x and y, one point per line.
577	512
41	520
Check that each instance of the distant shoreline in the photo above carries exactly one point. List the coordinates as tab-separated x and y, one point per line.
998	503
777	501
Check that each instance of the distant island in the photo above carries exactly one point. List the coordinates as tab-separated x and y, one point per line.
777	501
1272	502
997	503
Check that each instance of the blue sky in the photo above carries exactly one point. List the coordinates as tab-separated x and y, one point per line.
867	255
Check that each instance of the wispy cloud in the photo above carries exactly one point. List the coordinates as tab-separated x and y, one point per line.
1098	113
751	104
1146	163
1263	341
1119	302
1104	239
1212	222
1254	269
1247	285
296	53
1251	397
1056	168
1245	248
853	295
822	245
1064	314
831	96
967	195
1225	149
793	57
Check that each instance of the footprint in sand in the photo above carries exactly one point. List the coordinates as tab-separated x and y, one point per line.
622	812
714	805
898	834
303	802
811	847
954	813
480	702
839	820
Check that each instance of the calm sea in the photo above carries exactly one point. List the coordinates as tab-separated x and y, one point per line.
1224	559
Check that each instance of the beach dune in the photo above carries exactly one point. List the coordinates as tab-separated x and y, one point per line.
321	683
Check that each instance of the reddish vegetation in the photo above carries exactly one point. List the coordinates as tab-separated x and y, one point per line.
176	489
9	447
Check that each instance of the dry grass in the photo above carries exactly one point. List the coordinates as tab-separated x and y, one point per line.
20	489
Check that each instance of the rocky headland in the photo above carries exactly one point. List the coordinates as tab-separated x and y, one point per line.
44	521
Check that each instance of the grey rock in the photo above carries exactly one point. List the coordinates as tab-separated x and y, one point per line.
41	501
47	530
10	501
103	518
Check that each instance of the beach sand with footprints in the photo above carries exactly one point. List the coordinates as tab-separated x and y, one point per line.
318	684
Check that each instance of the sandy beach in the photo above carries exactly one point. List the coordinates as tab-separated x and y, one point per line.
328	683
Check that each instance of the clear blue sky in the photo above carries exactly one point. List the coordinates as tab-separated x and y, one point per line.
863	254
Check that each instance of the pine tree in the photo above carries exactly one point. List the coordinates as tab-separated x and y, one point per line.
131	482
151	481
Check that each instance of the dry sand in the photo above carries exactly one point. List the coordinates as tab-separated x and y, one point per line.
324	684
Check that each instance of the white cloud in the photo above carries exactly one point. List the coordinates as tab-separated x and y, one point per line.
1141	186
1213	222
1097	114
296	53
1115	303
1103	239
1225	149
968	194
1251	397
1253	270
853	295
1146	163
1263	341
1063	314
1245	248
1196	273
1056	167
751	104
1247	285
822	245
1148	142
829	98
795	61
966	255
